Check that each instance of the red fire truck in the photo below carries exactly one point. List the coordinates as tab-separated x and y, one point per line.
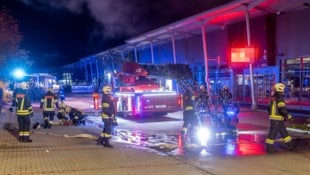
140	96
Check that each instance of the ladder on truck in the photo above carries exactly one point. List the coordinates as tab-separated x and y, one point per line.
182	73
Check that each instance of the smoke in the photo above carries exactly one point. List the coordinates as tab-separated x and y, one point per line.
115	17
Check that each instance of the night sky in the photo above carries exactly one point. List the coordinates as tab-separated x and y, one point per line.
60	32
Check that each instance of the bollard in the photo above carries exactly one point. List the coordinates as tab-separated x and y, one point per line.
96	100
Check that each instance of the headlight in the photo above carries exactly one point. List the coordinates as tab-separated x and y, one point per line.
230	113
203	135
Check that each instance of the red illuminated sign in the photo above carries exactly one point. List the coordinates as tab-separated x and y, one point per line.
243	55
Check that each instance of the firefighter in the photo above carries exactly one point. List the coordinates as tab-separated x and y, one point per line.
227	102
225	95
63	113
24	111
278	114
48	102
108	117
202	100
189	117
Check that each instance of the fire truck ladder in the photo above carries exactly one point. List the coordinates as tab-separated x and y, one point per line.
180	72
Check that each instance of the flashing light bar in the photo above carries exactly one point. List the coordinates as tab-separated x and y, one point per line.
159	94
127	94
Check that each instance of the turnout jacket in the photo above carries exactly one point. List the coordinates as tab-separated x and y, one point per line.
277	109
22	102
188	102
108	109
49	101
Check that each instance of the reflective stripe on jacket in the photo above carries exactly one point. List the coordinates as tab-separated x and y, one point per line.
274	113
23	103
49	102
108	109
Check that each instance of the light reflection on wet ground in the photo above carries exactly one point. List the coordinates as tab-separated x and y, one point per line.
241	144
151	134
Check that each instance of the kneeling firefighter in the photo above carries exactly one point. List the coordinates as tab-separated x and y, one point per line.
48	102
108	116
278	114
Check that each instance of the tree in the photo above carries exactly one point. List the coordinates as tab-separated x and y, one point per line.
10	36
10	39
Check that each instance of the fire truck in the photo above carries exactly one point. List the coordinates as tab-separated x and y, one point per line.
138	95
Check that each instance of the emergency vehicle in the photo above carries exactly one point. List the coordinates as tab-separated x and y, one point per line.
38	83
139	95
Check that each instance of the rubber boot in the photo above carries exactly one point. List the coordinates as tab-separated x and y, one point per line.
107	143
290	145
50	124
28	140
270	149
21	138
45	123
100	141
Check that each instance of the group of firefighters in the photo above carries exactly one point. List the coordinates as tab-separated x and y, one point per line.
277	111
49	102
192	102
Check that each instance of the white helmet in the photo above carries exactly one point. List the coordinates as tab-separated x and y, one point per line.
50	90
107	89
24	85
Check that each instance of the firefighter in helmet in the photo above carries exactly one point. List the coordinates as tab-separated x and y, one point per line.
63	113
189	118
24	111
202	99
278	114
108	116
225	94
48	102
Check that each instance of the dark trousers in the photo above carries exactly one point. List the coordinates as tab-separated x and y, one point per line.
23	127
107	128
275	128
47	117
189	120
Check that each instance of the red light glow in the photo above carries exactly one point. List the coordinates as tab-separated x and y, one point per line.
243	55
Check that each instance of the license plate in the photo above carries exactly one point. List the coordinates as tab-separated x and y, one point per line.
160	106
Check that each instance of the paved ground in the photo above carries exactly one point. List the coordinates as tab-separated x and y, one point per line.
72	150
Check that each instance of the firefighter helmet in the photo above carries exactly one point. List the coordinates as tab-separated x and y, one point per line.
225	88
202	87
24	85
50	90
279	87
107	89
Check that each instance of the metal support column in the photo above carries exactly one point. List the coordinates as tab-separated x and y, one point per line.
136	55
247	17
86	72
205	54
173	49
97	72
301	79
91	73
152	53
